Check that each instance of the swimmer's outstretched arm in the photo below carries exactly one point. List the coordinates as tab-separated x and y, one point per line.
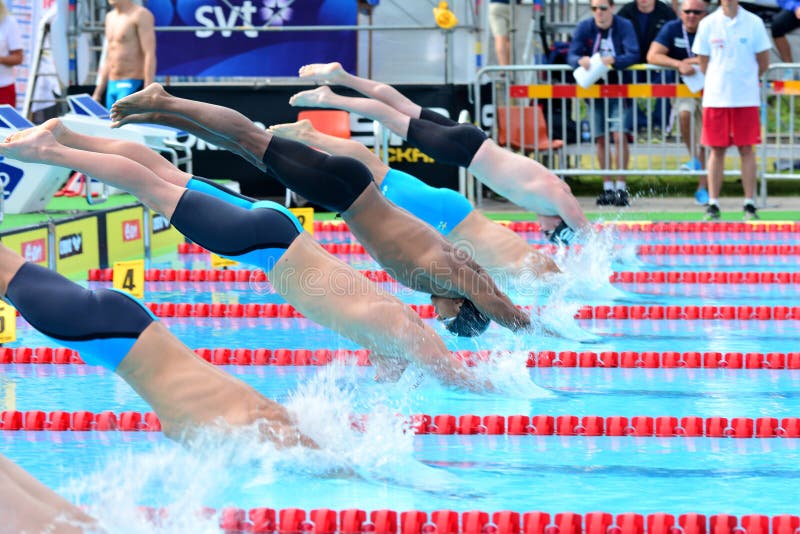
474	283
27	505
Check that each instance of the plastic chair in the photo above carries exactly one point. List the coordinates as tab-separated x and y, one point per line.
534	137
333	122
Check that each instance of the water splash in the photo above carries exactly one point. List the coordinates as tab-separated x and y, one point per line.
239	469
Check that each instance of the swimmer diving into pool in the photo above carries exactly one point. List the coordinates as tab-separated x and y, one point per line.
502	252
323	288
27	505
118	332
522	180
411	252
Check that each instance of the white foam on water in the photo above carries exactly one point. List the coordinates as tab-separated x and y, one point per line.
362	435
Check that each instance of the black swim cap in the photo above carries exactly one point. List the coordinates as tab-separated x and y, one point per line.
469	322
561	234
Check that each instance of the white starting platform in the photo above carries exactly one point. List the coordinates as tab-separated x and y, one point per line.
88	117
27	186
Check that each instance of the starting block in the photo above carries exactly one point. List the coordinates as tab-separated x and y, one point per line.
27	186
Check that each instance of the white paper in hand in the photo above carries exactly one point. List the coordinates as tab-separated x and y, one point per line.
597	69
696	81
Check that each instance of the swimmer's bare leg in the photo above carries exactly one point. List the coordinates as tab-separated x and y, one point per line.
323	97
222	122
333	73
303	132
198	130
27	505
38	145
131	150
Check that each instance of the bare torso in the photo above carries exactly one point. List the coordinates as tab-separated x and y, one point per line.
499	250
124	54
516	177
406	248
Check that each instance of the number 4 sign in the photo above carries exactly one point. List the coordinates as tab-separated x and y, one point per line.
8	323
129	277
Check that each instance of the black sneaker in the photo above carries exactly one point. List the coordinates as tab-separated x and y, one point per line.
607	198
712	212
621	199
750	213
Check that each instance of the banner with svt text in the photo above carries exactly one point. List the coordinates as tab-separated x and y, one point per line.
212	52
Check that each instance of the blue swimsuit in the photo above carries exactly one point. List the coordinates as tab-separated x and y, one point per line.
442	208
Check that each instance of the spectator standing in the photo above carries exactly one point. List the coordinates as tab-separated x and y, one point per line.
733	48
672	47
787	20
614	39
500	26
130	60
648	17
10	55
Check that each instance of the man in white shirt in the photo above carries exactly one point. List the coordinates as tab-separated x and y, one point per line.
733	48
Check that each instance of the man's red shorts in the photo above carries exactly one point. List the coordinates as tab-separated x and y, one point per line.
723	127
8	95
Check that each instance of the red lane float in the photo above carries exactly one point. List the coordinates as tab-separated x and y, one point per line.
742	249
703	277
448	424
625	277
212	275
630	226
355	521
544	358
427	311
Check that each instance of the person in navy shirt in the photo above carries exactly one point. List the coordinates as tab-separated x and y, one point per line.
672	48
614	38
784	22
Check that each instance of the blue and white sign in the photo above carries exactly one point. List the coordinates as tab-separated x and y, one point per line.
248	52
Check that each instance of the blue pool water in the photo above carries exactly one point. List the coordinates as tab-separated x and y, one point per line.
389	469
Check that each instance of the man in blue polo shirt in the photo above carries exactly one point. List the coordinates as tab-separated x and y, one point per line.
672	47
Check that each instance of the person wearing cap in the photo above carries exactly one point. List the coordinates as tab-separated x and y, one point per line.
614	39
672	48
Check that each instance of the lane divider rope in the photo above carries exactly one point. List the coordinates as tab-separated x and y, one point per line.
638	277
448	424
741	249
427	311
324	520
544	358
631	226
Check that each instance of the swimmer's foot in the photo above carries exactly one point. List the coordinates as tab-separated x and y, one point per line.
324	72
316	98
148	117
297	131
31	144
148	99
57	128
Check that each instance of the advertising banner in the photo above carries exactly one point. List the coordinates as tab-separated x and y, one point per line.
163	236
248	52
31	245
77	248
124	237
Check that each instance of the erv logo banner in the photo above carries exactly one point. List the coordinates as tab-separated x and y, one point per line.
70	245
249	52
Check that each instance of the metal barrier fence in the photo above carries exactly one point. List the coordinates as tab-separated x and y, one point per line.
780	115
539	110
